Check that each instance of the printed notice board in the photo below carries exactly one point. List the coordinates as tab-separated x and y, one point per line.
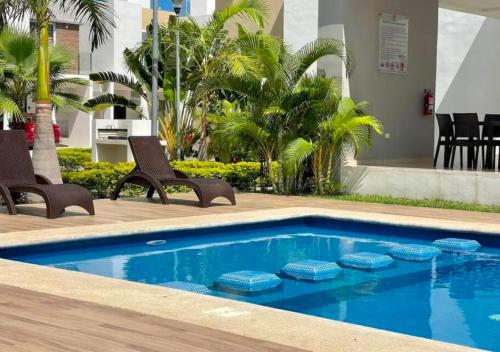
393	44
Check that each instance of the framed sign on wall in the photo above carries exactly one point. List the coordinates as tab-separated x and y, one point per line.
393	44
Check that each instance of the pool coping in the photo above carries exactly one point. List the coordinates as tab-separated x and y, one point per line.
301	331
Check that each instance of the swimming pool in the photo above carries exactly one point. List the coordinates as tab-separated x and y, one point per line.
453	298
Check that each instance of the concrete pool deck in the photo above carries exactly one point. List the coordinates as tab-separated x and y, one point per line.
280	329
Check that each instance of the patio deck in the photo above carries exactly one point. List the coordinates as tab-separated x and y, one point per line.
32	217
34	321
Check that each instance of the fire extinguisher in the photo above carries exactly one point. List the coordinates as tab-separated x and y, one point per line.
428	103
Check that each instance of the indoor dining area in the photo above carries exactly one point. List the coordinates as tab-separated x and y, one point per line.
468	141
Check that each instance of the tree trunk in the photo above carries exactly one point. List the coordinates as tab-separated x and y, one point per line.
45	159
203	152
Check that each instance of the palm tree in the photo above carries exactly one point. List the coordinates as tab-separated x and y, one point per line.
18	73
348	126
272	88
99	16
205	48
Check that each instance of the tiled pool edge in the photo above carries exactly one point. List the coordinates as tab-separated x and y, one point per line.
245	319
119	229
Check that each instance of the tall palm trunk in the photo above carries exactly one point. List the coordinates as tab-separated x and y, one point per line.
204	138
45	159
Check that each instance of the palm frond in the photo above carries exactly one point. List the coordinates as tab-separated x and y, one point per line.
296	153
108	100
68	102
315	50
9	106
97	13
118	78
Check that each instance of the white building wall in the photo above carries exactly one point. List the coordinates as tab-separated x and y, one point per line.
300	22
397	100
202	7
468	73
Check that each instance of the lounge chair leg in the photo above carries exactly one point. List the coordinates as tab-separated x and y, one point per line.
9	202
151	192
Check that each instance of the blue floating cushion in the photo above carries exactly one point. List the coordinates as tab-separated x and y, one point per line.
414	252
366	260
457	245
248	281
314	270
187	286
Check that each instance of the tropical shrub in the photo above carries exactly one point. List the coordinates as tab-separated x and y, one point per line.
73	159
347	125
272	92
101	178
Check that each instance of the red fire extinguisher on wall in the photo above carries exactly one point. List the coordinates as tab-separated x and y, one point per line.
428	103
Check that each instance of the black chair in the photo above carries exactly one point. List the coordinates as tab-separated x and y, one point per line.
467	135
490	128
446	137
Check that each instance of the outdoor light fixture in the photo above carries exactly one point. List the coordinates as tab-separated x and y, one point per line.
177	8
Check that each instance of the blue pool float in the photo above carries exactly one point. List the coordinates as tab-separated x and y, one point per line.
248	281
366	260
457	245
312	270
414	252
187	286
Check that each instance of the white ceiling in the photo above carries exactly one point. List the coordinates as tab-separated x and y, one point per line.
488	8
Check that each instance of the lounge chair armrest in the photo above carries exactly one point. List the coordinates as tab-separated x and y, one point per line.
42	180
180	174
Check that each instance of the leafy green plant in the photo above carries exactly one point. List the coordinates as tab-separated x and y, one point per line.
19	70
272	91
347	125
101	178
73	159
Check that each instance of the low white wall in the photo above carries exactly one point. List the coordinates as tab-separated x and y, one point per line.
455	185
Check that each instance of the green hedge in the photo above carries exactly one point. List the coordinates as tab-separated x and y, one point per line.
72	159
101	178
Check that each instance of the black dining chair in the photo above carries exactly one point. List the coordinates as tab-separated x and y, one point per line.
467	135
491	121
445	139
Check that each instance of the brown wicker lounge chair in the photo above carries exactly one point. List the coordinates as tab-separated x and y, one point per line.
153	170
17	176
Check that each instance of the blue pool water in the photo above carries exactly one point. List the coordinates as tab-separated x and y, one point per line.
453	298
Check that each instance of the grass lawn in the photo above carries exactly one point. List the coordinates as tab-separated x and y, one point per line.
426	203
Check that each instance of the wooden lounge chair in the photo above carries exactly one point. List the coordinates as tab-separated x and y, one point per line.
153	170
17	176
